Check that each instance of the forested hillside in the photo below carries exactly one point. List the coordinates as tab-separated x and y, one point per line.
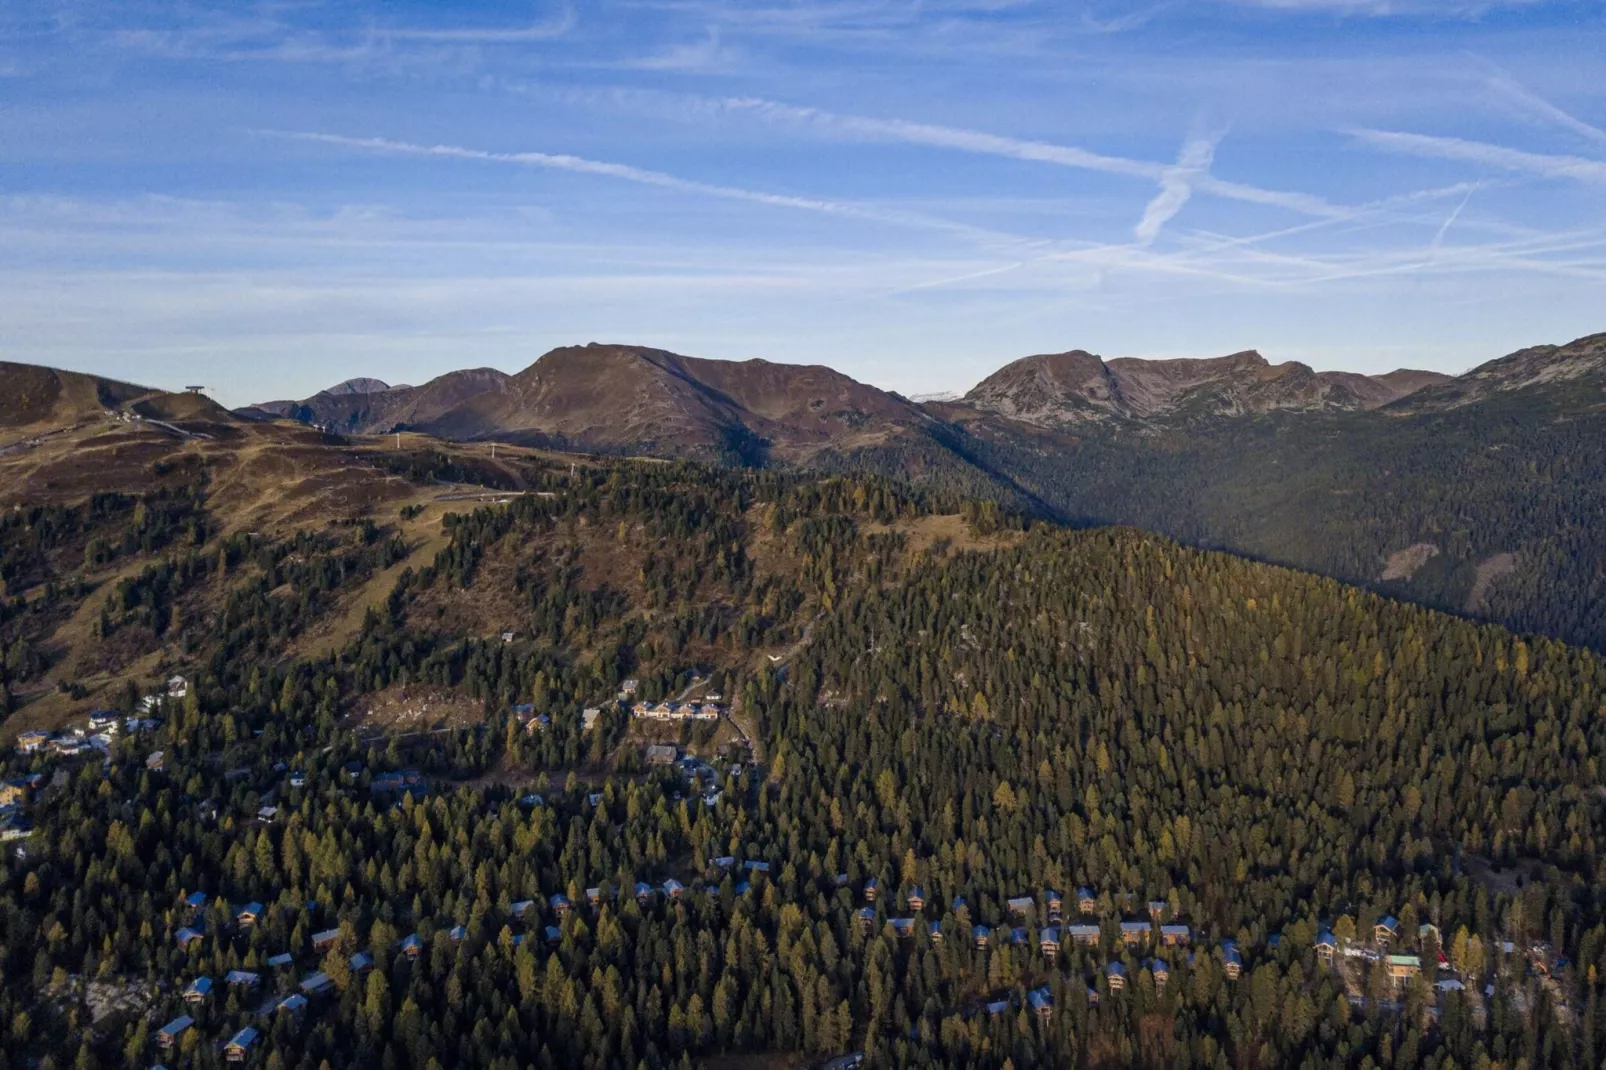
1503	501
930	713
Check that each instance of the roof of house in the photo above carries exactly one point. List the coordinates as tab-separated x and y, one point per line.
1115	969
295	1001
1082	930
176	1026
281	960
200	986
244	1038
316	982
1134	926
240	977
252	908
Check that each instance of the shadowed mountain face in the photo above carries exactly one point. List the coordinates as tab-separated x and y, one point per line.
349	410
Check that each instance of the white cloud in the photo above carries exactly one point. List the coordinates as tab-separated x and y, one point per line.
1575	168
1176	186
643	176
541	30
1536	106
975	141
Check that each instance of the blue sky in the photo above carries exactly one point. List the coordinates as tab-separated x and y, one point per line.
272	197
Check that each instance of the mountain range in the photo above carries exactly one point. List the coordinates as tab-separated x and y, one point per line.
1480	493
619	397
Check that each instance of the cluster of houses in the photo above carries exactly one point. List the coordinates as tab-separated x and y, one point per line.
96	734
1054	936
683	711
533	722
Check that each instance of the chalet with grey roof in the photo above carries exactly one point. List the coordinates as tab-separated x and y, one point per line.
1085	935
1176	935
1135	932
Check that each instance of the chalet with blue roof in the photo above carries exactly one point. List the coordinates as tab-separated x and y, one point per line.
1386	930
1115	975
1041	1001
980	934
198	990
168	1035
1160	972
239	1044
1086	901
1232	963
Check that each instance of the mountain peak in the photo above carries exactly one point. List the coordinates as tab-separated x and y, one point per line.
357	386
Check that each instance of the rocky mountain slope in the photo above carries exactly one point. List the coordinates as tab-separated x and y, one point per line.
1064	389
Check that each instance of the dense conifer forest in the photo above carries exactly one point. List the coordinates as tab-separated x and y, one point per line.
1003	795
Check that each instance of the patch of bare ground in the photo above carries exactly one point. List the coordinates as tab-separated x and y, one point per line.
1489	570
486	608
1403	564
1501	881
947	530
773	1060
418	708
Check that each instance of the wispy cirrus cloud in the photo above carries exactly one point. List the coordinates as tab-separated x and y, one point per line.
555	26
1532	104
1575	168
646	177
988	144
